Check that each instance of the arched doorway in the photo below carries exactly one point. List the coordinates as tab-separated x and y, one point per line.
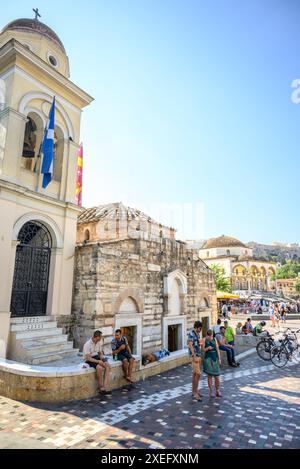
31	275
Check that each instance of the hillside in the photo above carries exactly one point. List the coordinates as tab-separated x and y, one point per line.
274	253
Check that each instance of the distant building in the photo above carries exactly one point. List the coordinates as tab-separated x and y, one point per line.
246	273
286	286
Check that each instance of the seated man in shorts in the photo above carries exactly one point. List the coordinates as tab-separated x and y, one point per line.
120	347
95	358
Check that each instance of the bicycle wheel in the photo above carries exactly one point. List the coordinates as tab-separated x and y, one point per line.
264	350
279	357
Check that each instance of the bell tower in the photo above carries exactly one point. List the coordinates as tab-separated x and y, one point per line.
34	67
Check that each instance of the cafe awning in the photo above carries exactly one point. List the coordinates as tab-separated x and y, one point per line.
224	295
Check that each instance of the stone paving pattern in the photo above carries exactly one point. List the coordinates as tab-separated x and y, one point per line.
259	409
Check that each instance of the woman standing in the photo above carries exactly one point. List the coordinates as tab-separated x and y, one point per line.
272	314
211	362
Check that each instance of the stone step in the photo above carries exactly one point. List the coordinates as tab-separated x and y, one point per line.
46	357
56	339
38	350
32	334
33	327
30	320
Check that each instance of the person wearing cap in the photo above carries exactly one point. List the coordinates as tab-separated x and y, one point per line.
258	329
95	358
195	353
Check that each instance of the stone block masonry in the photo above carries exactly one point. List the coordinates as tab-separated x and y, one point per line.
123	283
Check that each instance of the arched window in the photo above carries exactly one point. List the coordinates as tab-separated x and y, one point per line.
87	235
175	302
33	136
228	252
263	272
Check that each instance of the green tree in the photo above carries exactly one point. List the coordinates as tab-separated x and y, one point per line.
288	270
297	287
222	282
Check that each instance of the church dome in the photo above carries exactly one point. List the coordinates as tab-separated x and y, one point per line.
33	26
223	242
112	211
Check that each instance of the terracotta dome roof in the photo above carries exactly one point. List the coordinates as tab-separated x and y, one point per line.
223	242
34	26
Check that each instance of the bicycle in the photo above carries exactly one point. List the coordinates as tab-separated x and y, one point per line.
265	345
286	350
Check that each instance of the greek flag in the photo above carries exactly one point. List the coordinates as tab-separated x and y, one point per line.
48	148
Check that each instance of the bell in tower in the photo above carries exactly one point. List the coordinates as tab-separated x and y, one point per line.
29	139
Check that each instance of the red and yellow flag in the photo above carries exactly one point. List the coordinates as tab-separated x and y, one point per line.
79	176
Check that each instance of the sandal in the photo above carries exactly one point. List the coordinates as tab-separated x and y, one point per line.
218	395
197	398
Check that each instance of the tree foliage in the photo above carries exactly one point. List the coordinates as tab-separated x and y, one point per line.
223	283
289	270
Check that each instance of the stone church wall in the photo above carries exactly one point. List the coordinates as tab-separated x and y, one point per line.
108	273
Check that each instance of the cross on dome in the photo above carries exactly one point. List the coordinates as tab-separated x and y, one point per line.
37	15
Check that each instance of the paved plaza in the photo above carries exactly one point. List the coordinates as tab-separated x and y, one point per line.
259	409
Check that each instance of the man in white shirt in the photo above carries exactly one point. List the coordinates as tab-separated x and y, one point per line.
224	310
216	328
94	356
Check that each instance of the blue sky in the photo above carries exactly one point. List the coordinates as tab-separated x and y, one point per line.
192	109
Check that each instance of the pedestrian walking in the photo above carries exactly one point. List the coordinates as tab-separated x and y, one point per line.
283	315
272	315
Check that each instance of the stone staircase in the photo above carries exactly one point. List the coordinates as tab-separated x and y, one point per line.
37	340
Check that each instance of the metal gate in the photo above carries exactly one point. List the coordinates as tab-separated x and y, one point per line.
31	275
